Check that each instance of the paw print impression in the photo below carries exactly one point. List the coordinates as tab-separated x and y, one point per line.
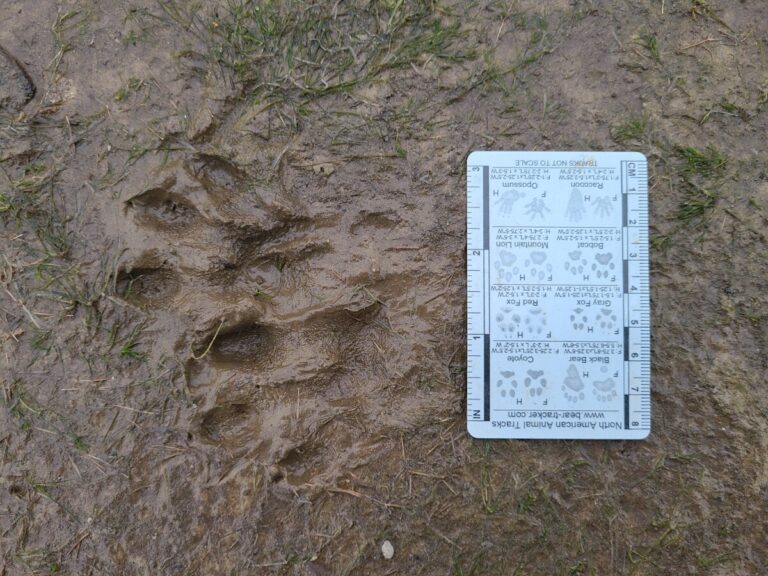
536	322
506	203
246	345
537	267
579	320
507	321
507	384
604	390
164	209
575	265
504	264
603	265
535	384
572	385
606	320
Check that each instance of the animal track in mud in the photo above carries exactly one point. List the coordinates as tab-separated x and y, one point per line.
225	423
300	463
250	355
164	210
241	346
381	220
216	173
148	286
253	364
16	86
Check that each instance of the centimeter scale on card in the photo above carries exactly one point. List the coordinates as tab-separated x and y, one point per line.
558	295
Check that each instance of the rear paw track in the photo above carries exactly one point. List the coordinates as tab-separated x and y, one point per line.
241	346
228	423
16	85
165	211
148	286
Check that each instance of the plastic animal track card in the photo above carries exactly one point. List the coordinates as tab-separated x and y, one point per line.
558	310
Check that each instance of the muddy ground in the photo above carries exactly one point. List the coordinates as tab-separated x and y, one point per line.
232	313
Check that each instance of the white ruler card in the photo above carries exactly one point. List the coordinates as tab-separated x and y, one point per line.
558	311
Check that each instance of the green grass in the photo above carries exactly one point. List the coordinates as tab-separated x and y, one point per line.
292	50
41	340
526	502
39	561
707	163
650	43
132	86
632	128
128	350
705	9
79	442
697	204
30	203
129	346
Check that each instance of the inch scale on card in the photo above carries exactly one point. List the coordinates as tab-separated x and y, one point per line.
637	313
558	312
478	295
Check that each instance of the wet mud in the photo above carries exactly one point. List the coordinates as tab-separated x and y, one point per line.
232	316
16	86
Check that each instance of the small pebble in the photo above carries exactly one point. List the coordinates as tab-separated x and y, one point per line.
387	550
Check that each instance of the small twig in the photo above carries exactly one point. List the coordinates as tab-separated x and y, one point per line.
133	409
76	545
210	344
615	37
699	43
31	316
443	536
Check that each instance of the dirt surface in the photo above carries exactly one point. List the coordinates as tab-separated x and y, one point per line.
232	313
